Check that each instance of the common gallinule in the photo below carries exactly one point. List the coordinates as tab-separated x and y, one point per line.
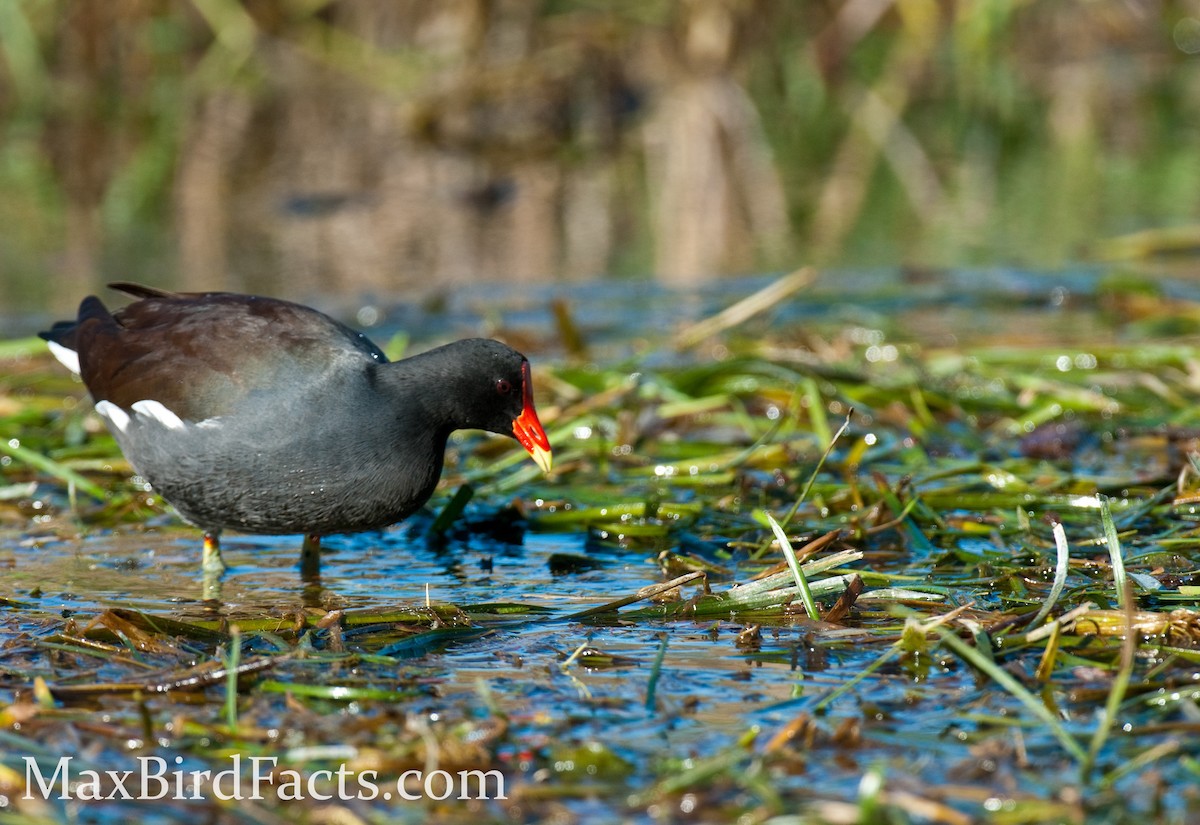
265	416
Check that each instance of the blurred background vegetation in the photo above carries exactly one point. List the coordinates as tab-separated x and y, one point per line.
397	146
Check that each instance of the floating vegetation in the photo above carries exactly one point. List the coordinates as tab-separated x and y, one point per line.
974	603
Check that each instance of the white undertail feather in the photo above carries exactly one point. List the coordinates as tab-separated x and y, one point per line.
142	409
69	358
155	410
115	415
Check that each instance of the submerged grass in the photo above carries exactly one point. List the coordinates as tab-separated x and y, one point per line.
979	593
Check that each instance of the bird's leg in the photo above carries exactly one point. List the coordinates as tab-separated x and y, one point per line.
212	568
211	561
310	558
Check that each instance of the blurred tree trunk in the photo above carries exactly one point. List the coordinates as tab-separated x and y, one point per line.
533	249
213	138
719	198
80	140
877	126
589	228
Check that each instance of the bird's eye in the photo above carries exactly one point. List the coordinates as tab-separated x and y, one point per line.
503	386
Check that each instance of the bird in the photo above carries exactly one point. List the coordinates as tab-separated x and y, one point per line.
264	416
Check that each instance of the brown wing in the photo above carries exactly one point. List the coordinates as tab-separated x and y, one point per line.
202	354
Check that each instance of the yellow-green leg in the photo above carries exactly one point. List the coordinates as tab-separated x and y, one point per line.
212	567
211	561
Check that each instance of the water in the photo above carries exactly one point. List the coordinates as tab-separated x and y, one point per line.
942	306
676	694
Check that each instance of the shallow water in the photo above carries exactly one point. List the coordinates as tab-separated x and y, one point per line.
156	571
922	721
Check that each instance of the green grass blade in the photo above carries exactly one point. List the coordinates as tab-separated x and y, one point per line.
451	512
849	684
232	660
816	471
1060	575
816	412
1018	691
656	672
1120	686
810	606
1114	553
48	465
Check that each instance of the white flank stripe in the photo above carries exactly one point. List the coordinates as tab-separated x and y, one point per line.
69	358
